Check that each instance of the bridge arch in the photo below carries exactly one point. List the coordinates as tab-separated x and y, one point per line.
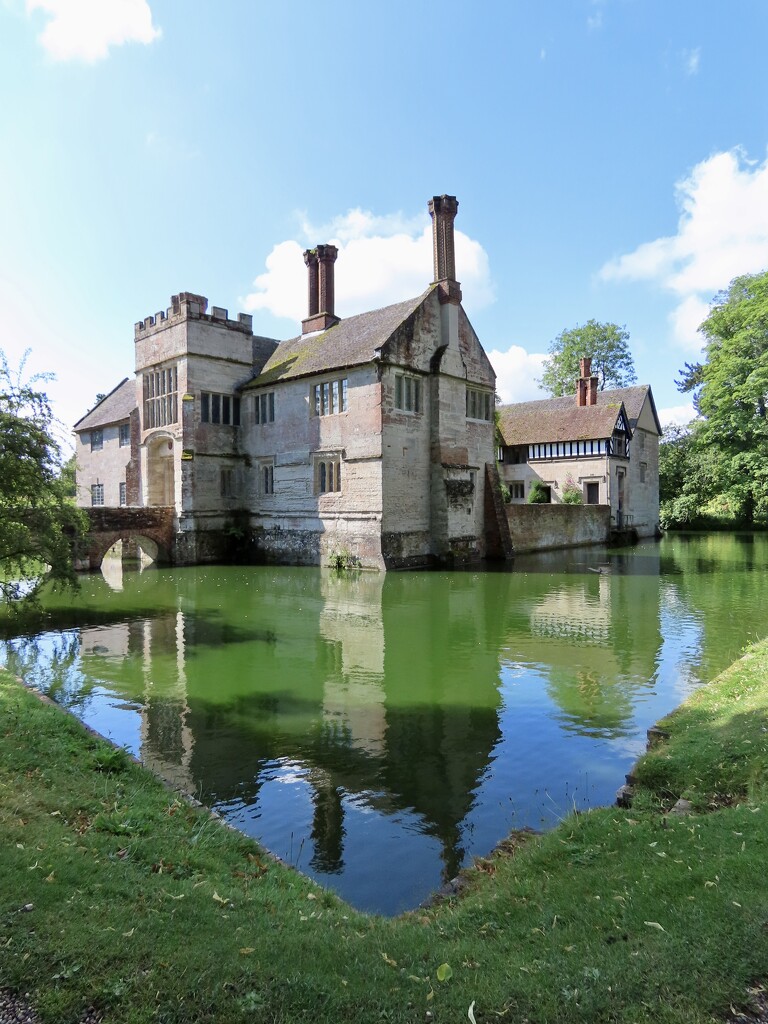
152	528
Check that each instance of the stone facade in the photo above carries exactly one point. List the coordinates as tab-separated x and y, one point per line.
363	441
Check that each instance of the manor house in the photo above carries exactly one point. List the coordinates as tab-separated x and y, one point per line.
368	440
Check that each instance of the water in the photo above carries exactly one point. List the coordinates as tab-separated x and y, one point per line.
378	732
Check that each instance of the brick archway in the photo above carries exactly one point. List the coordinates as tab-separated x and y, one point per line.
109	525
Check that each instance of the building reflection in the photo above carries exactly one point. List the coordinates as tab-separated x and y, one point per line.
392	726
381	690
600	625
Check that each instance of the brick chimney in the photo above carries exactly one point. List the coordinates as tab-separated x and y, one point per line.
586	386
321	294
442	210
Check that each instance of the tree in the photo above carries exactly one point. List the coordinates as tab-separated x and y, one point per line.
725	461
605	344
38	522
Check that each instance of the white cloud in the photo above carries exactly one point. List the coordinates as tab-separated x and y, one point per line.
681	415
382	259
691	61
517	373
86	29
722	233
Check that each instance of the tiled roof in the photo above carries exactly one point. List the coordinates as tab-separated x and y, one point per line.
113	408
561	419
350	342
633	399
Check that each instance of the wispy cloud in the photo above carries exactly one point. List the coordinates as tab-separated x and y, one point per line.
86	29
382	259
722	232
691	61
595	19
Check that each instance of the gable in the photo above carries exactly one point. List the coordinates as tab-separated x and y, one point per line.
113	408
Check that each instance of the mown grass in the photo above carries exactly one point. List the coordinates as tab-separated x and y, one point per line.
115	893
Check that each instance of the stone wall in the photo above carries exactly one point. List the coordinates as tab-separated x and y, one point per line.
296	524
544	527
107	466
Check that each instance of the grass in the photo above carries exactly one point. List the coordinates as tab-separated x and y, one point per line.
115	893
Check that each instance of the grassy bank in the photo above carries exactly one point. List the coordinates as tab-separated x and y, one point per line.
117	895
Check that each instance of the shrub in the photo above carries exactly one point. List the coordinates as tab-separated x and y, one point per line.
538	494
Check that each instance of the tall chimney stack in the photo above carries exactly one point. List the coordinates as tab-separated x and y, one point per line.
442	210
584	395
321	291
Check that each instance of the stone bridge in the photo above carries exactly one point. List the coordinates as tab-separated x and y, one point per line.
129	525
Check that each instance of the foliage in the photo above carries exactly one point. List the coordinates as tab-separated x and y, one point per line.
539	494
68	477
605	344
572	492
343	560
38	521
103	870
719	471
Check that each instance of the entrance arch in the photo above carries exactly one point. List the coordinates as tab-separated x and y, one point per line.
161	480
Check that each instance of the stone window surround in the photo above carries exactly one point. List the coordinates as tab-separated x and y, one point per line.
479	404
266	471
408	397
329	397
160	387
97	440
264	407
97	495
123	491
516	489
219	409
327	472
124	434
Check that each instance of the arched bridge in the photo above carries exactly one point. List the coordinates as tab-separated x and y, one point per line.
129	525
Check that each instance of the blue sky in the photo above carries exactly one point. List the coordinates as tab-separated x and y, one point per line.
609	157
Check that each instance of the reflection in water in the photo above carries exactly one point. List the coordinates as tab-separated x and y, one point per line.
379	731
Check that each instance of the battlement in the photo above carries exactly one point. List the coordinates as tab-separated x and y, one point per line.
188	306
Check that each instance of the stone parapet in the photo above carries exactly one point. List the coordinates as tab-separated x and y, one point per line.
189	306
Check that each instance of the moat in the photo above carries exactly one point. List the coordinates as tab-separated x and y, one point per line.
379	731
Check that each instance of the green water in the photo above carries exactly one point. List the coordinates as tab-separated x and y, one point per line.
378	731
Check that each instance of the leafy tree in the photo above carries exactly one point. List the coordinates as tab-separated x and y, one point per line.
38	522
605	344
723	472
68	476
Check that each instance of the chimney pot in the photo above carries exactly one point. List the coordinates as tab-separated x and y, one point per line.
592	399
